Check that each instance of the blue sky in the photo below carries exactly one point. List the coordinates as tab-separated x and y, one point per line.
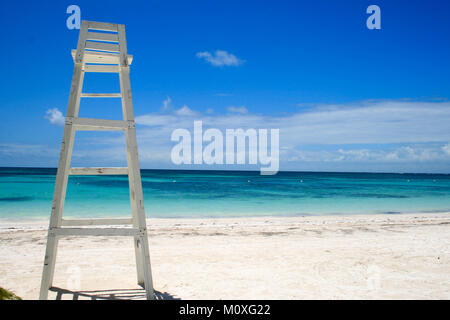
344	97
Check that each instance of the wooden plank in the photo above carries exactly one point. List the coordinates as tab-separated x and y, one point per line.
100	232
102	46
136	196
101	68
98	171
140	264
49	265
78	56
101	95
95	222
63	166
107	37
101	57
102	26
89	124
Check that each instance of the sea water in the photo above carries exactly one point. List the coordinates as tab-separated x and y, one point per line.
28	192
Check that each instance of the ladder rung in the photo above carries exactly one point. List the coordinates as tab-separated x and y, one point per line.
89	124
97	171
107	37
101	57
101	95
95	222
101	68
64	232
102	46
102	26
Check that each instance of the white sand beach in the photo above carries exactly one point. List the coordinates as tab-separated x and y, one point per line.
330	257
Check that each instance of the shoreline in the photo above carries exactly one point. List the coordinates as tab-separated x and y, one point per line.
400	256
8	223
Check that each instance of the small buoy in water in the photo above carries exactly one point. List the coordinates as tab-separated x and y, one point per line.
174	181
301	180
249	181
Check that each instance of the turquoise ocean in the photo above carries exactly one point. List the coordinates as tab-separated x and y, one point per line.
26	193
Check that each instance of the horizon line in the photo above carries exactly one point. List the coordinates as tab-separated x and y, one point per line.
239	170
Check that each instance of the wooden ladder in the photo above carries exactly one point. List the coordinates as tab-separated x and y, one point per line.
102	47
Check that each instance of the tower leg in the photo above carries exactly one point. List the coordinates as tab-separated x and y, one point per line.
49	266
139	266
134	176
144	273
59	194
147	268
57	208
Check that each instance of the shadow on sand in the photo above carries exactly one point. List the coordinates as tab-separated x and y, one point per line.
112	294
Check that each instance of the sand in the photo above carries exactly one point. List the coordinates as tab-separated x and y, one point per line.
330	257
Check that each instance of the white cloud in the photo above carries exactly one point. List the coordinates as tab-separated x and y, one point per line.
220	58
55	116
380	122
185	111
390	131
331	136
361	154
446	148
167	104
367	122
409	153
241	110
419	153
156	119
20	149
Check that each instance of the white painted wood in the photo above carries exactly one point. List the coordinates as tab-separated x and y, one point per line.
73	123
63	166
103	26
90	124
136	222
136	195
49	265
102	57
101	36
98	171
101	95
102	46
106	68
97	232
95	222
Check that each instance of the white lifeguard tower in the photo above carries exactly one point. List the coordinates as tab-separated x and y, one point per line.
102	47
